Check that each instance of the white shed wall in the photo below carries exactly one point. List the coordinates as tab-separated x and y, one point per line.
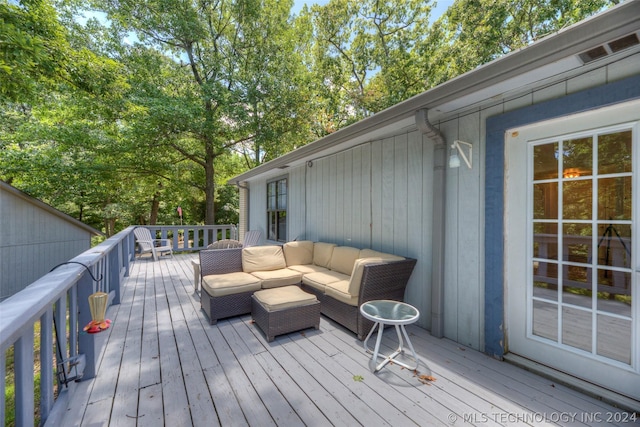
32	241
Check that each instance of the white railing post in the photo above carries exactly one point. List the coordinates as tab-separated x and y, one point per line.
23	356
73	324
86	342
60	313
46	363
3	376
113	267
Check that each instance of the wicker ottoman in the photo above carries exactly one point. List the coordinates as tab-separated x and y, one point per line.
286	309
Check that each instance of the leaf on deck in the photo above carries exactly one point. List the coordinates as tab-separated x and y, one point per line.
426	379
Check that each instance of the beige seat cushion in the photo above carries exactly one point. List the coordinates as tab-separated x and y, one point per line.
343	258
276	278
308	268
262	258
340	291
298	253
321	279
284	297
322	253
219	285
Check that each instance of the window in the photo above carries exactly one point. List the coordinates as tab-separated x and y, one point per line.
277	210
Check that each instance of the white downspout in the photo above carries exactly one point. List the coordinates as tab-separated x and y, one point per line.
438	224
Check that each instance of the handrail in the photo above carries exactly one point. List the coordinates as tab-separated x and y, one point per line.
45	301
60	299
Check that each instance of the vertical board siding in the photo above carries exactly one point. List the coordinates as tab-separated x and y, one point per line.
469	228
419	220
376	195
357	215
380	195
339	204
296	205
452	257
401	224
258	207
28	233
386	190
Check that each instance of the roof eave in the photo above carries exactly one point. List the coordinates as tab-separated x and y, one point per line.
40	204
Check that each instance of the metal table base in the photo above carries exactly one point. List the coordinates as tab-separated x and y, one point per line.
392	357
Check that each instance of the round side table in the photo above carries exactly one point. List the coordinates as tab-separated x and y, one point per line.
396	313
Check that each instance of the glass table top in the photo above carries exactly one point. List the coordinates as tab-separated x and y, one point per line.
390	311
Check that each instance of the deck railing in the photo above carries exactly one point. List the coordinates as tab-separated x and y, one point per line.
193	237
57	303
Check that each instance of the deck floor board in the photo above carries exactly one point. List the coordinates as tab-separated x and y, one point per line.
163	364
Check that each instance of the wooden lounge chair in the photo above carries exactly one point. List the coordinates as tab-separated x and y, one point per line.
225	244
251	238
147	243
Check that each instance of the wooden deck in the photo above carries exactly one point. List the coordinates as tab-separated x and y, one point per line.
163	364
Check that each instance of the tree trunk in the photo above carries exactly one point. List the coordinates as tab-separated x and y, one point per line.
155	207
109	226
210	184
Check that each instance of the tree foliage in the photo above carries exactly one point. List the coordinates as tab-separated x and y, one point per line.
231	81
148	105
474	32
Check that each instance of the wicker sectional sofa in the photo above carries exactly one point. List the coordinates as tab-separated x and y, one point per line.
341	277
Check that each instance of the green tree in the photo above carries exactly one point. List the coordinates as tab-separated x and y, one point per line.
474	32
365	56
231	81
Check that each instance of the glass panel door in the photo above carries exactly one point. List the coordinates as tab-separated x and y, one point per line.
580	292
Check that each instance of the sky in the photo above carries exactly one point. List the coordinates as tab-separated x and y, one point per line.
441	7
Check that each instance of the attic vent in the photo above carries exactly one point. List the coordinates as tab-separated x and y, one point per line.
610	47
624	42
593	54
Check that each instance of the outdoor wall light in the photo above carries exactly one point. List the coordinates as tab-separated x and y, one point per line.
454	160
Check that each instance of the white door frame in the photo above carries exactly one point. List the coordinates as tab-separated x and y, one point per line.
608	373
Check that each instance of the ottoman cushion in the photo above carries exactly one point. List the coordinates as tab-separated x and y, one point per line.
279	311
285	297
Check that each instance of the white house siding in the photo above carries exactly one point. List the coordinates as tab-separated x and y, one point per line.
464	270
463	292
32	241
379	195
376	195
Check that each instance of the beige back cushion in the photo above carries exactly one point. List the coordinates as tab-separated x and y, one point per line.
262	258
298	253
370	253
343	258
322	253
356	275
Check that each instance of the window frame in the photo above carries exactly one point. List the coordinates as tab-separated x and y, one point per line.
279	209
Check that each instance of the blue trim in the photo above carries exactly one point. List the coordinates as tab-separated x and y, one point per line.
496	126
